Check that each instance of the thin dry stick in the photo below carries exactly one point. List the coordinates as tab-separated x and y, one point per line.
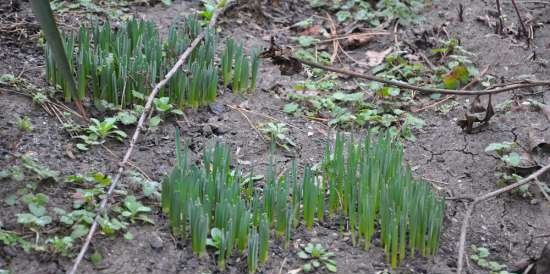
251	124
262	115
355	35
103	206
524	84
333	33
520	19
465	222
130	163
542	190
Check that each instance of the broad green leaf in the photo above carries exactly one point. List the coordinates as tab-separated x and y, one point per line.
128	236
348	97
307	267
331	268
306	41
343	15
457	76
482	252
291	108
303	255
512	159
79	231
25	218
155	121
500	147
127	118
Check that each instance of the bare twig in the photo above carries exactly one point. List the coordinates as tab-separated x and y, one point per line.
523	84
130	163
542	190
354	36
263	115
520	19
471	207
469	85
333	33
103	206
500	25
251	124
528	268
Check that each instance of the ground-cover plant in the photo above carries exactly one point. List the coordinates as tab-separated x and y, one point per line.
374	12
362	182
480	257
27	168
98	131
238	70
37	216
317	257
277	133
119	66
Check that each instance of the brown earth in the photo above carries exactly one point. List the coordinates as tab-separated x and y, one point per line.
443	154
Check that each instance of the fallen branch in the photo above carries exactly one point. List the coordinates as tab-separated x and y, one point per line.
103	206
465	221
519	85
469	85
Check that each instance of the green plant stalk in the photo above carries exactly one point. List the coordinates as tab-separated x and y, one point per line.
310	196
255	68
44	14
252	258
264	239
243	83
222	251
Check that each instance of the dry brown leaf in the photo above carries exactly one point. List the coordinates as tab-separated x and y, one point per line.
376	58
311	31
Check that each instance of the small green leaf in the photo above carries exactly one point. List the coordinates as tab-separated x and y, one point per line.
482	252
25	218
331	268
291	108
96	258
307	267
128	236
306	41
348	97
512	159
155	121
11	200
82	146
343	15
79	231
127	118
303	255
315	263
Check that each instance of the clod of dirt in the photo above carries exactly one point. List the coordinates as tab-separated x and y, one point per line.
155	241
472	115
543	263
280	57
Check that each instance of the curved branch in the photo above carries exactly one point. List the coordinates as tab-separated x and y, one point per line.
519	85
479	199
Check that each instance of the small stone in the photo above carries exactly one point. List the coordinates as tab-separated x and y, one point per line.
207	130
155	241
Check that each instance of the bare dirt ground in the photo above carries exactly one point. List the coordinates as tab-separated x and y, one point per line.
454	161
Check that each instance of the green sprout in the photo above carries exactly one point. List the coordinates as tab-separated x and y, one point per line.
317	257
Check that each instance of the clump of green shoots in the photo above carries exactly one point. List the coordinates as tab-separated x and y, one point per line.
238	70
120	66
369	185
198	199
363	182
